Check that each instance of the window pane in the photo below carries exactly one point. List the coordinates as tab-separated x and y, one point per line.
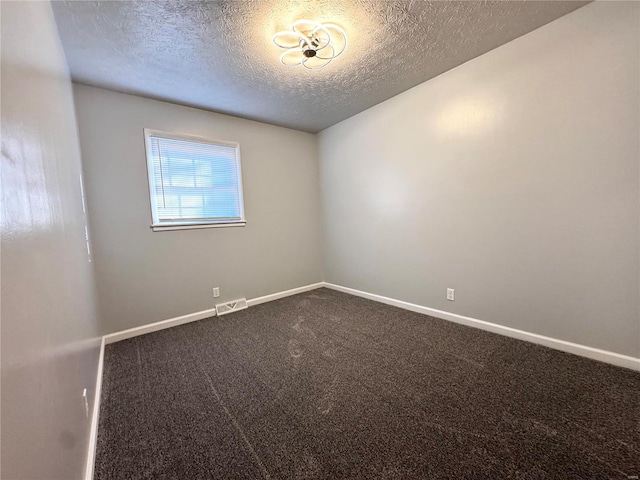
194	181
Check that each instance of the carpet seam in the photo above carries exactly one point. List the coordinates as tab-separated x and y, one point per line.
231	417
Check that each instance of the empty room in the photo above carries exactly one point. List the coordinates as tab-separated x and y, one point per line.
292	239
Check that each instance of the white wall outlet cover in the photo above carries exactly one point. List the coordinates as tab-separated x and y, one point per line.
451	294
216	292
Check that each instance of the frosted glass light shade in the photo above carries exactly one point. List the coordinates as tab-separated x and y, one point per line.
311	44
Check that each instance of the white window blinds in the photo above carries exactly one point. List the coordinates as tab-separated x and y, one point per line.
193	181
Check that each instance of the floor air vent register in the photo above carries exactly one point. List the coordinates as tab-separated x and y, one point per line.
232	306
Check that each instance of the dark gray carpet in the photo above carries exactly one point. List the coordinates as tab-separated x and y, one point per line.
327	385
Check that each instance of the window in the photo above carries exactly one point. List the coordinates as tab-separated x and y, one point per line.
193	182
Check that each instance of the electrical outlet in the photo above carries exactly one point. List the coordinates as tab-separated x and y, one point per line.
216	292
451	294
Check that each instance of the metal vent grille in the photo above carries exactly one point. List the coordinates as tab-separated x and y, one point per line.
232	306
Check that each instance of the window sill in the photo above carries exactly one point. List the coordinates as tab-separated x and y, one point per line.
192	226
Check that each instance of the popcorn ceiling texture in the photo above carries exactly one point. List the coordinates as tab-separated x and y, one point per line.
219	55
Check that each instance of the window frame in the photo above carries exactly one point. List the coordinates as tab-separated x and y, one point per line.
156	224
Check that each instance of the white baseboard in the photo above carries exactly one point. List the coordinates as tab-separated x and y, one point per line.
577	349
93	433
192	317
286	293
154	327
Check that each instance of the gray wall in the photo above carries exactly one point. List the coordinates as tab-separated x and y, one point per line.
513	178
145	276
49	325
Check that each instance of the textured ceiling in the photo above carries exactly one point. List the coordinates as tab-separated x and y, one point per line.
219	56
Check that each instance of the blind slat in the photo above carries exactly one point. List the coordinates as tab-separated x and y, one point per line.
195	181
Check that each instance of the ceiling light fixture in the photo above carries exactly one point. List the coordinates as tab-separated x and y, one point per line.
311	44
